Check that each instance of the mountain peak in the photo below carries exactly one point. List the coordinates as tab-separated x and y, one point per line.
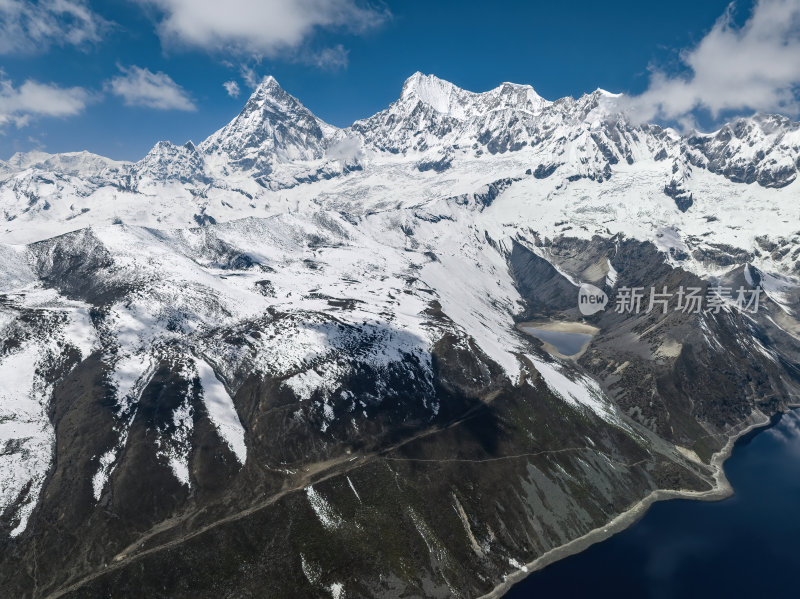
269	90
518	95
268	84
272	126
413	83
447	98
25	159
441	95
606	94
81	162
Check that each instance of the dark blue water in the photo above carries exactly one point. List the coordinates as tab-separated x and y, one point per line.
567	344
745	546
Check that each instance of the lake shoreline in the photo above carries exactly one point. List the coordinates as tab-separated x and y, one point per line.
721	490
559	326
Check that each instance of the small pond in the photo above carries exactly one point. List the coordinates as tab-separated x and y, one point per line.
567	344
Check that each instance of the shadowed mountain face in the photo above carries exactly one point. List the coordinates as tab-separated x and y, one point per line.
323	391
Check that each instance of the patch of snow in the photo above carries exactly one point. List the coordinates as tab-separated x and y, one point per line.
312	571
221	410
777	289
177	446
80	332
350	482
130	375
100	477
326	514
515	564
611	276
305	383
337	590
581	393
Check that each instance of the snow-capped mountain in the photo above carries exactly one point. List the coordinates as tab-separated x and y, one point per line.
273	128
71	163
441	141
291	337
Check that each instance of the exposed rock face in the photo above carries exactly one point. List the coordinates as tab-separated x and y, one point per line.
683	199
287	362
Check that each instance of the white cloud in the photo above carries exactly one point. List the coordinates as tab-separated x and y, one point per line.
141	87
232	88
332	58
33	99
250	77
329	58
29	27
755	67
258	27
346	150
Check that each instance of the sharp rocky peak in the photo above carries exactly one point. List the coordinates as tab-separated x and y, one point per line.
268	104
270	91
272	126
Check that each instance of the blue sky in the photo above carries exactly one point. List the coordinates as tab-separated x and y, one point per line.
114	77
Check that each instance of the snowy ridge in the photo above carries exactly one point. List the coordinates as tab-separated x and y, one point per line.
436	141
